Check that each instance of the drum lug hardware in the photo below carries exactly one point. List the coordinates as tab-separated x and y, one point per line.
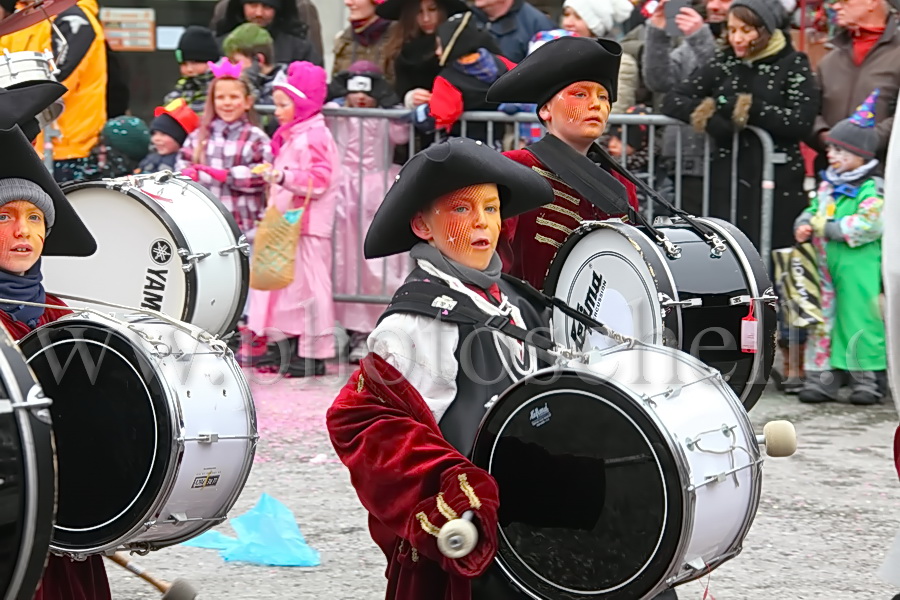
208	438
666	301
718	246
242	246
191	259
35	400
767	297
179	517
490	403
672	250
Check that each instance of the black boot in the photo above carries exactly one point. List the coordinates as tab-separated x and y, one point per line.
864	388
293	365
820	386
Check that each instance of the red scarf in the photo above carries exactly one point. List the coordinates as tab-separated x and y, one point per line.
863	42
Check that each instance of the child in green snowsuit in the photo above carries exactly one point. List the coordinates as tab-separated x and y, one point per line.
844	223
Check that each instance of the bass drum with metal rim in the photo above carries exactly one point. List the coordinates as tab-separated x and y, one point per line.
27	476
619	477
164	243
716	307
155	428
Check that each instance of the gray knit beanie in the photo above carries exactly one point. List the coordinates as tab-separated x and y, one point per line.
857	133
15	188
770	12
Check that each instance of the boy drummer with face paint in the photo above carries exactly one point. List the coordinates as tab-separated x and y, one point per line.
405	422
573	82
36	220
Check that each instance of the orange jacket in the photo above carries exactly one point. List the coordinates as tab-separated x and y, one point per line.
82	69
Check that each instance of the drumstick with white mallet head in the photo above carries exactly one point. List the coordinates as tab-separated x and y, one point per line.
779	438
177	590
458	537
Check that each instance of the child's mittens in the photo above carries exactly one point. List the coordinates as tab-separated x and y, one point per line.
191	173
422	119
220	175
818	223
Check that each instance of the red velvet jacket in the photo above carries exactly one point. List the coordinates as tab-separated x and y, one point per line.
528	242
411	480
63	579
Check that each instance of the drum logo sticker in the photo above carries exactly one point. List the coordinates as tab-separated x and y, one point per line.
540	415
206	480
161	252
154	289
588	306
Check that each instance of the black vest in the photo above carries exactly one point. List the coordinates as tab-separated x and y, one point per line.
489	361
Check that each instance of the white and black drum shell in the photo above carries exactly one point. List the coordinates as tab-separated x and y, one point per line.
604	476
697	302
163	243
155	430
18	69
27	476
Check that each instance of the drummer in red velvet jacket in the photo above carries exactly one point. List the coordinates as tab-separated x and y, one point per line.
404	423
36	219
573	82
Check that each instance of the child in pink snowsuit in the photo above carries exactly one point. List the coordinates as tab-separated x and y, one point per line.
306	163
366	151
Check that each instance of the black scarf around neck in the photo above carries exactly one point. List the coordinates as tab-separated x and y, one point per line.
480	279
582	174
24	288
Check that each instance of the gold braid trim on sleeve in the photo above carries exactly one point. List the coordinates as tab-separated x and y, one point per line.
426	524
474	502
445	509
360	383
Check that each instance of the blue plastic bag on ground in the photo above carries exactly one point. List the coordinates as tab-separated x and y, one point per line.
267	535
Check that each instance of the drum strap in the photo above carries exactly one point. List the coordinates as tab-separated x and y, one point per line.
610	163
438	301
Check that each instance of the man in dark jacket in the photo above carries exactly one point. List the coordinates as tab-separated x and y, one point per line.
512	23
282	20
865	57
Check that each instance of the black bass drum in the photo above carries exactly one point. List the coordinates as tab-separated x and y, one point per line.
27	476
697	302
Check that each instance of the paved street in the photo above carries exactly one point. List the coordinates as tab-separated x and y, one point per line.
827	516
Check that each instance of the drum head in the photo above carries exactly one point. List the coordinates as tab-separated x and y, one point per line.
112	429
590	496
27	479
611	272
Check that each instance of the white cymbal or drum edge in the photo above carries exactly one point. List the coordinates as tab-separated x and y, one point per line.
890	246
164	243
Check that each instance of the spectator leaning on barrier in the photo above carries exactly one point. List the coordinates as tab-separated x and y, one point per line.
600	18
364	38
866	56
759	80
512	23
196	48
366	147
307	13
280	18
469	67
665	67
82	69
411	43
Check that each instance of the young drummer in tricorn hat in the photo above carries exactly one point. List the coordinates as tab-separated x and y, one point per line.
37	220
572	81
405	422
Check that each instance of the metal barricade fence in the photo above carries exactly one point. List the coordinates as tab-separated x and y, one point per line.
496	129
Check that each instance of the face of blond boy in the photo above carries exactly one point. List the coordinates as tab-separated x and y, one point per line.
464	225
22	234
578	113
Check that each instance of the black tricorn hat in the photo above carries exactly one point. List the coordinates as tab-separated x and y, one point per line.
460	35
557	65
439	170
21	103
69	236
392	10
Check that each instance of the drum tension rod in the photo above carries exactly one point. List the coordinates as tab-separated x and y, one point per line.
191	259
666	300
242	246
744	300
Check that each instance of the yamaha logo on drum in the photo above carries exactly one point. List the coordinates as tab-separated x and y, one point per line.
161	252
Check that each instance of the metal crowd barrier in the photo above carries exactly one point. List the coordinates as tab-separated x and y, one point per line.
497	124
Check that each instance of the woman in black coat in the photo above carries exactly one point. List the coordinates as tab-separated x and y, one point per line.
409	52
757	80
